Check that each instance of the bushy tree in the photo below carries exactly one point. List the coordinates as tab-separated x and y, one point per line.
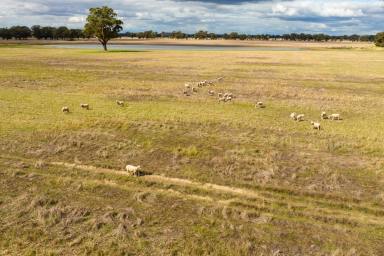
102	23
201	34
212	36
75	33
62	33
379	39
233	35
178	35
20	32
37	32
242	36
5	33
48	32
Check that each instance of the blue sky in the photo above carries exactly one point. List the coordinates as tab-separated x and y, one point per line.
252	16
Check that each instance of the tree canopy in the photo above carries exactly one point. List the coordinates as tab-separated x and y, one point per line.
379	39
102	23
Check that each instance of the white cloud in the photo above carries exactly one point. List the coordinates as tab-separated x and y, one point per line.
76	19
321	9
275	16
280	9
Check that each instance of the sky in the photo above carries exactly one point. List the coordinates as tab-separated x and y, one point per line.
244	16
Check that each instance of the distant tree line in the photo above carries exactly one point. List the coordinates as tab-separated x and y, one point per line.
237	36
64	33
39	32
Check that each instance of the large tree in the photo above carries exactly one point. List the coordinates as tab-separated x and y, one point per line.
20	32
5	33
379	39
102	23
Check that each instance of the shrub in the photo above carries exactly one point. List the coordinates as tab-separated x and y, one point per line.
379	39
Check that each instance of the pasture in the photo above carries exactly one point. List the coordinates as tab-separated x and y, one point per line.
227	178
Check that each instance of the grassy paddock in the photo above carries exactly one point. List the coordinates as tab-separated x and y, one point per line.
323	189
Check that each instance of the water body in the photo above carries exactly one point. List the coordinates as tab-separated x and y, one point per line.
146	47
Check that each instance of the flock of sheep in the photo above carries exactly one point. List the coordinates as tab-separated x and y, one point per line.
191	88
316	125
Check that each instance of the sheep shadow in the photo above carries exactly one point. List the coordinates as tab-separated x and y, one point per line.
142	173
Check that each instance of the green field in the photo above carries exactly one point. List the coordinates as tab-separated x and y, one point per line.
250	181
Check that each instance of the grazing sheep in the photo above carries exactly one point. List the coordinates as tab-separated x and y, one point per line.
335	117
202	83
211	93
133	170
187	85
224	97
300	117
120	103
316	125
324	115
194	89
85	106
65	109
293	116
260	105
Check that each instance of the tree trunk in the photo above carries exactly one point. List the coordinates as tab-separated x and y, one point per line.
105	46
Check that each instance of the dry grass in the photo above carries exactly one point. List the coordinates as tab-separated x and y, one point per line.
323	189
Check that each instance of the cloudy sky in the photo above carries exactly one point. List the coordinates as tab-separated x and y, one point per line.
246	16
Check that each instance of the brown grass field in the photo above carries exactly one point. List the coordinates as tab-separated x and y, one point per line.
222	178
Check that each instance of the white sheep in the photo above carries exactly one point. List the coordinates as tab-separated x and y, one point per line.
293	116
194	89
85	106
65	109
324	115
260	105
187	85
222	99
335	117
202	83
211	93
133	170
316	125
300	117
120	103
